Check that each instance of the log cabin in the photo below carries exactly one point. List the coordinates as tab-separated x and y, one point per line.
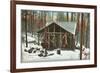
58	35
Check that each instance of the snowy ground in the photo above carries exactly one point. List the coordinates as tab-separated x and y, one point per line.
65	54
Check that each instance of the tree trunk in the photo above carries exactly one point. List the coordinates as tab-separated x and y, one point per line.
81	41
26	29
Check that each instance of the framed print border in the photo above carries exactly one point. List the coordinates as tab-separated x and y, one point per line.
13	36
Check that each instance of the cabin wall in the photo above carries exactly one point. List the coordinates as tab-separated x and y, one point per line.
54	40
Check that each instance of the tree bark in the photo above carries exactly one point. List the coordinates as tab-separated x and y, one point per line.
26	28
81	41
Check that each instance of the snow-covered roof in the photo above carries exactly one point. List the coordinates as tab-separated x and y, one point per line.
68	26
